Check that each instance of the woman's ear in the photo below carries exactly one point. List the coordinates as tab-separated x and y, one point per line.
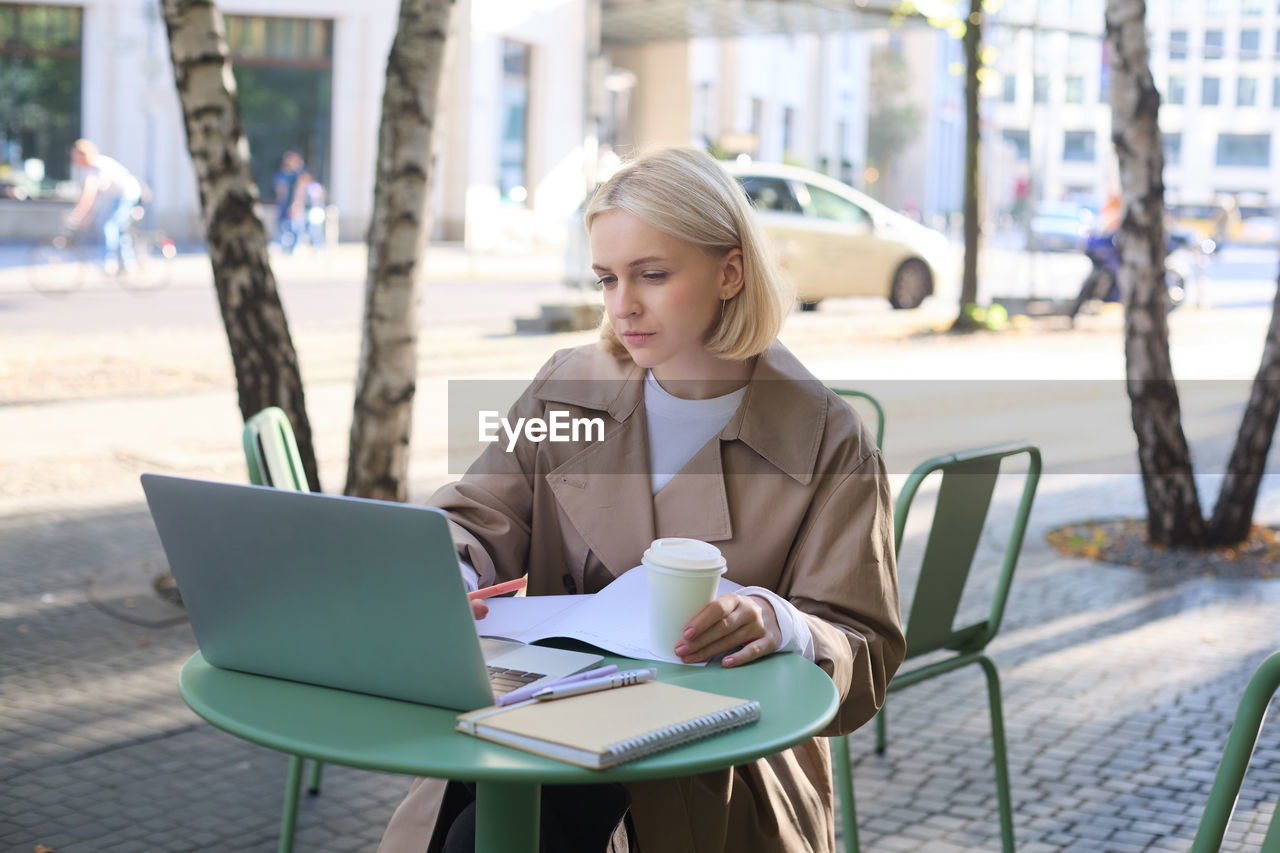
731	274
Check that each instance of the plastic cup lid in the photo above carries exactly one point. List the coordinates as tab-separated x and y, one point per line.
688	554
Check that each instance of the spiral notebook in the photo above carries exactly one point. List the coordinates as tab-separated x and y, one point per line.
598	730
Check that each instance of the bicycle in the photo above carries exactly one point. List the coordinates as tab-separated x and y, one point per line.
59	264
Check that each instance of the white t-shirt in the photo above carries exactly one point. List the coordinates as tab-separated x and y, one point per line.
113	178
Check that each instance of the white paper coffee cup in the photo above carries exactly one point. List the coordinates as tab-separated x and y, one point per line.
683	575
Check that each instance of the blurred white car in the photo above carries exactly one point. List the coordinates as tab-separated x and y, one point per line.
830	239
834	241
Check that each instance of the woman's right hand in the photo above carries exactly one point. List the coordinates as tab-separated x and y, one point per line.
479	609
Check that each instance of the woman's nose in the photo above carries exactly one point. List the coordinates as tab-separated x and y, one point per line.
626	303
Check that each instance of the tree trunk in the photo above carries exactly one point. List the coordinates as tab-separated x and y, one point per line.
1173	507
1233	513
262	352
378	463
972	140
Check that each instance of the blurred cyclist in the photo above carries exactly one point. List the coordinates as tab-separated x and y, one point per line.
105	178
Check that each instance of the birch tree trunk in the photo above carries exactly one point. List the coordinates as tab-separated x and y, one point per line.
972	42
1173	507
266	364
1233	513
378	462
972	143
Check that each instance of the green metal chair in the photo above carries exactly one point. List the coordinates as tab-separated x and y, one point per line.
964	497
271	453
1235	760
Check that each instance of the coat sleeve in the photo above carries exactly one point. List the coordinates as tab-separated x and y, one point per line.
843	579
490	508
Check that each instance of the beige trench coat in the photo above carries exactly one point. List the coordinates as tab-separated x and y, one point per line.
794	493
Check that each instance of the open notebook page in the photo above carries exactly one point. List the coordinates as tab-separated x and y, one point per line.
615	619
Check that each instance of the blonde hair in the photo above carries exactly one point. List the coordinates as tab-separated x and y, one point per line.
685	193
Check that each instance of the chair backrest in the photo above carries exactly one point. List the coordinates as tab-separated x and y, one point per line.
271	452
1235	760
964	497
875	404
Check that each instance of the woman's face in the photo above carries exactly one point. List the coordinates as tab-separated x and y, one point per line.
663	294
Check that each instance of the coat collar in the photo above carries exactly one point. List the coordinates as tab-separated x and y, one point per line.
604	489
782	417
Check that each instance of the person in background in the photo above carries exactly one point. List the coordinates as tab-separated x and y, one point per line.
105	180
313	198
713	431
289	200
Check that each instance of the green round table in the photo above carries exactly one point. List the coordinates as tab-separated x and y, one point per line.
796	700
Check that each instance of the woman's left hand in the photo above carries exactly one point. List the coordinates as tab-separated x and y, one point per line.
731	621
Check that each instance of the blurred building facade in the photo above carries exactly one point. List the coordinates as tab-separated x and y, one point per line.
1216	64
540	99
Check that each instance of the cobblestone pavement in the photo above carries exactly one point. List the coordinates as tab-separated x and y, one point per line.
1118	689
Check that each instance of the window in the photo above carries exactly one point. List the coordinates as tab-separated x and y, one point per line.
1010	91
1040	91
284	73
1213	44
1177	89
1177	44
1277	42
1075	89
1250	41
513	143
788	128
1172	149
1021	142
1209	91
769	194
1214	8
1244	149
39	87
1275	92
1078	146
1247	92
1252	7
825	204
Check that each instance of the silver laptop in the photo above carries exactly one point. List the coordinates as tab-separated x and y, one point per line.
344	592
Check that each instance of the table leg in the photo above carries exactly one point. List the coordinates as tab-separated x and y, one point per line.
507	817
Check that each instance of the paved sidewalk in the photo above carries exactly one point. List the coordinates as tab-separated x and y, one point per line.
1119	688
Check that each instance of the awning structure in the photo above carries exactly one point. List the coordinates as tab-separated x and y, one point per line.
631	22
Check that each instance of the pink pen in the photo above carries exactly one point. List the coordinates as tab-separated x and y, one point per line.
522	693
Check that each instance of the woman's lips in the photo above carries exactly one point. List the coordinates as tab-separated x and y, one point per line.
637	337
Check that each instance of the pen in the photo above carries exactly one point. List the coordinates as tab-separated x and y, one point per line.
522	693
497	589
620	679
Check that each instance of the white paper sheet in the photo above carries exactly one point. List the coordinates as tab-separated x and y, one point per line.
615	619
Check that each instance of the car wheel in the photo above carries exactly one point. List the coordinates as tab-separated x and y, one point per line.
911	284
809	305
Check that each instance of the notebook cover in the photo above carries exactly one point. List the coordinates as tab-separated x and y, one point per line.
609	727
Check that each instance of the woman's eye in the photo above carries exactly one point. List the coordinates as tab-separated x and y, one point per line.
654	276
606	281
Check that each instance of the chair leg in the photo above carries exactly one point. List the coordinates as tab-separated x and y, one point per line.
289	816
1001	759
882	733
313	784
844	787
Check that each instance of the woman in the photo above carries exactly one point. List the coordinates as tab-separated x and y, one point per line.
714	431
